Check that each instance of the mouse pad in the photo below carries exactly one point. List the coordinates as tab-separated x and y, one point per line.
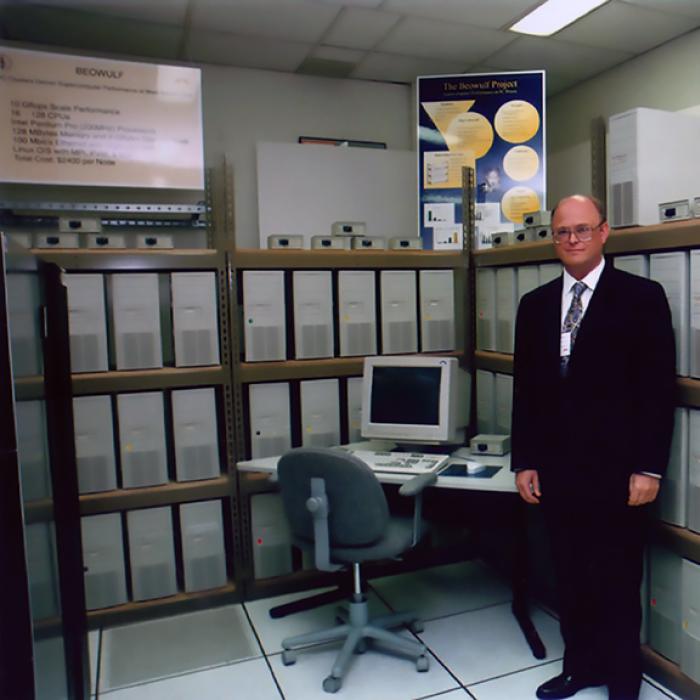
461	470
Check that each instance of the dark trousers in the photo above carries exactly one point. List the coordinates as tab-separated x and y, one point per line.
598	551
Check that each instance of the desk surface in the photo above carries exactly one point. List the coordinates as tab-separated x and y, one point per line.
503	480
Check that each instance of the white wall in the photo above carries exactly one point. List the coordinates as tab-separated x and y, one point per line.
664	78
242	107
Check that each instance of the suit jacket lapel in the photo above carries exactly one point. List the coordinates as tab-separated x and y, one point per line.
552	329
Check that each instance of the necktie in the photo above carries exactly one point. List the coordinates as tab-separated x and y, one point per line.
572	321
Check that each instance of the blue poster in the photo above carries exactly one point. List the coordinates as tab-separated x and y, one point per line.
494	123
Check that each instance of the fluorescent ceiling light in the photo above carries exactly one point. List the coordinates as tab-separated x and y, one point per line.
553	15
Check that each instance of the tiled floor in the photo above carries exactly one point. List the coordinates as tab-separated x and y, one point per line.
233	653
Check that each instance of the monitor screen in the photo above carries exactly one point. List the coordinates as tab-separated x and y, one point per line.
406	395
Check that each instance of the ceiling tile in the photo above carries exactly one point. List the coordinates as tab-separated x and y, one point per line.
163	11
293	20
358	28
643	29
689	8
493	13
332	53
559	57
452	42
402	69
354	3
245	52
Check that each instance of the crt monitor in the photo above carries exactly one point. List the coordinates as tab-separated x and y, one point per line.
415	399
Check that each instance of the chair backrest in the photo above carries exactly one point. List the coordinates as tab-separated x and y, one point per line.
358	511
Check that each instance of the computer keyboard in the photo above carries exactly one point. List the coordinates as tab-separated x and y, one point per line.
401	462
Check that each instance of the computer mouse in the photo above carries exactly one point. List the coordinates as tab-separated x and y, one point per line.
474	467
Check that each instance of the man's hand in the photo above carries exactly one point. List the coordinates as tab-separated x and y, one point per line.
643	489
528	483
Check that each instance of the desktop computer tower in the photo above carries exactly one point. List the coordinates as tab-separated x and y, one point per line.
485	402
652	157
270	419
151	553
33	450
103	560
264	316
504	403
671	504
690	620
671	270
549	272
486	309
354	399
694	470
41	557
357	313
25	291
695	313
136	320
320	416
313	314
272	537
87	322
142	439
195	434
94	443
634	264
437	310
665	608
399	312
203	550
195	318
506	305
528	278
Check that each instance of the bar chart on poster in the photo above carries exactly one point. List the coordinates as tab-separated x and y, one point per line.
77	120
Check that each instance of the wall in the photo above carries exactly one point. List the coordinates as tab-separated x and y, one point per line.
243	106
664	78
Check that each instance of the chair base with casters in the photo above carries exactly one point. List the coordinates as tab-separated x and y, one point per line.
336	507
356	631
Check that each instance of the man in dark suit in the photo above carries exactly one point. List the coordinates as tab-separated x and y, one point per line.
593	403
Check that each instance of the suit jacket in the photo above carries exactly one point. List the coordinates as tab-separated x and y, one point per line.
613	414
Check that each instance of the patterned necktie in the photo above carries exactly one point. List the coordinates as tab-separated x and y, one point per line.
572	321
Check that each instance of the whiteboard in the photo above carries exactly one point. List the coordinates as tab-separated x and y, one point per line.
304	188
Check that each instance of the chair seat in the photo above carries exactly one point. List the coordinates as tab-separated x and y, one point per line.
396	539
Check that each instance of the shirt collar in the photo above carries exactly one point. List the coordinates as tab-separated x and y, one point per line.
590	280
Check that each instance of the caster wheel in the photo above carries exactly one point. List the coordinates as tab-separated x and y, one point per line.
332	685
288	657
361	647
416	626
422	664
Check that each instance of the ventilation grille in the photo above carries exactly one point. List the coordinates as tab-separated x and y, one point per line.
153	581
359	339
315	341
622	206
95	473
198	347
197	462
102	590
84	353
439	335
203	573
321	439
400	336
143	468
270	446
265	343
138	350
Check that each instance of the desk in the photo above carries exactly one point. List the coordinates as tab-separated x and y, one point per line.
502	481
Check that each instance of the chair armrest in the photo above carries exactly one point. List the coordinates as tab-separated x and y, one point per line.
416	485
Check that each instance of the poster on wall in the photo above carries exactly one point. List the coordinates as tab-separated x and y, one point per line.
76	120
494	123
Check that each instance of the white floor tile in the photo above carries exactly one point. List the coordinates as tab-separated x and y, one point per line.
444	590
522	686
93	649
487	643
373	675
245	679
156	649
272	632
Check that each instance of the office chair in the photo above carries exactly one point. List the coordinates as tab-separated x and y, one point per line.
336	507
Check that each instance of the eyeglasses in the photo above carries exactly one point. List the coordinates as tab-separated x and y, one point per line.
583	232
